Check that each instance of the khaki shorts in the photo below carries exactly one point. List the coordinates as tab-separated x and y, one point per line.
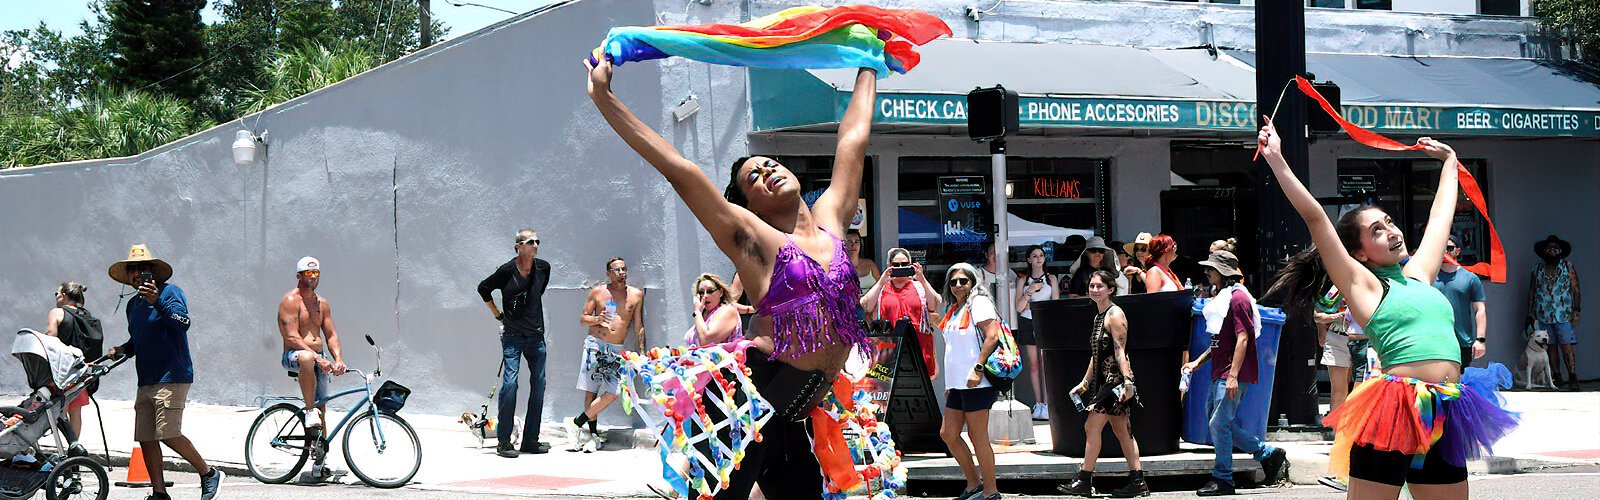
158	412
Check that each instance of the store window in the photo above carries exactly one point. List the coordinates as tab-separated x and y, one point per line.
1326	4
1405	189
1050	200
1375	4
816	173
1500	7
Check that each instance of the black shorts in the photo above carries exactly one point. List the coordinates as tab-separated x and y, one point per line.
1024	332
1394	468
969	400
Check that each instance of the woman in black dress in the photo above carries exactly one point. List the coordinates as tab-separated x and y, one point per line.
1107	391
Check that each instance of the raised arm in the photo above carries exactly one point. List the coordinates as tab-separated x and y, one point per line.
1362	290
722	219
1424	263
869	299
837	204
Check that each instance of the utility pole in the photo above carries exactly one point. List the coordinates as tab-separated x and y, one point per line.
1280	56
425	23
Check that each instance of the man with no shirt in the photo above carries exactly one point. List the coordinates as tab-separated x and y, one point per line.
610	312
302	315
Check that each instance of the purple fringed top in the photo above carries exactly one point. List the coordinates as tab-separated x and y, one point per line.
810	307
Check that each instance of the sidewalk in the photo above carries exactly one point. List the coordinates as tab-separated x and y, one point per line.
1559	429
451	458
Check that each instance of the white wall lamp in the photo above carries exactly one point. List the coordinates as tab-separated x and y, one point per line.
686	108
244	146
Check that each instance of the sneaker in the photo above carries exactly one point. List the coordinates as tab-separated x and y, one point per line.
505	450
1276	465
592	444
210	483
314	422
1216	488
1333	482
991	496
975	492
577	436
539	448
157	495
1039	412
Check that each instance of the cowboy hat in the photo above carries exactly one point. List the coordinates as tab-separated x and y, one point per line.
136	255
1566	248
1224	262
1142	239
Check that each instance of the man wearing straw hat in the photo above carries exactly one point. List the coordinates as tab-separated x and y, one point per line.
158	331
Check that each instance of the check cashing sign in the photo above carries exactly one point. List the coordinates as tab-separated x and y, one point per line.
939	109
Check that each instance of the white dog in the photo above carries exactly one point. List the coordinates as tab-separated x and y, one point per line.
482	426
1533	369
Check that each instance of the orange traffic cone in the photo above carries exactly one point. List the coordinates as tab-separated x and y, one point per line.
138	475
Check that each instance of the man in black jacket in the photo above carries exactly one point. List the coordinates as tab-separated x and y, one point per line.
521	282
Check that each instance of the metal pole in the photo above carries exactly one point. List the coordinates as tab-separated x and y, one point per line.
1002	250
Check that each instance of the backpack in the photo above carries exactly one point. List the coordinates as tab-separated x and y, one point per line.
85	334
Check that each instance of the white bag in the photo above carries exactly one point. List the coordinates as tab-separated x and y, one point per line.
1010	422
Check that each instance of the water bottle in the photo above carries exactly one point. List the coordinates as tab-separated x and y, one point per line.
1183	381
1187	283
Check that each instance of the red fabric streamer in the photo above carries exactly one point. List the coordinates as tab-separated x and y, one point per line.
916	26
1495	267
828	441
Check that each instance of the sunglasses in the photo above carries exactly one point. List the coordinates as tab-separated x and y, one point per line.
961	282
1095	250
311	274
705	291
1450	248
899	264
534	241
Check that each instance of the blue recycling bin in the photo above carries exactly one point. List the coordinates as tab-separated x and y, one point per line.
1257	399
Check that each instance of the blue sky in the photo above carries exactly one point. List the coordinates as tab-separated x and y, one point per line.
63	15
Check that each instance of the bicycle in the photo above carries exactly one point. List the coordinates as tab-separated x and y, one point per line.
280	441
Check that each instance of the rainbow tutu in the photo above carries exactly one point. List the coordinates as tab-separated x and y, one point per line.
1408	415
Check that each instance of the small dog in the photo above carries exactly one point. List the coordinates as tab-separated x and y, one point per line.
483	428
1533	369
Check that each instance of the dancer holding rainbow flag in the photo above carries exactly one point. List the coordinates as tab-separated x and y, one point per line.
791	258
1421	421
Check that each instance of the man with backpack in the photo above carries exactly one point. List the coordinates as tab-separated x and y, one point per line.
76	327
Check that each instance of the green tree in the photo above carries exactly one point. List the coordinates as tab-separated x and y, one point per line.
307	68
1577	21
386	28
157	45
124	124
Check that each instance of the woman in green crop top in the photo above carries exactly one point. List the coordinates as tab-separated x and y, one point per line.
1386	429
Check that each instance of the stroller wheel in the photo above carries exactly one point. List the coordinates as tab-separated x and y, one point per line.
77	478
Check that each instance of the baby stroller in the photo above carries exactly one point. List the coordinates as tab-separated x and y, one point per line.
57	375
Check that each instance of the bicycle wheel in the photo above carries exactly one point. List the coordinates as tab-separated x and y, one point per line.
278	445
382	450
77	478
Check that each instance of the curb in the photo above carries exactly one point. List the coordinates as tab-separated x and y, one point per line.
120	459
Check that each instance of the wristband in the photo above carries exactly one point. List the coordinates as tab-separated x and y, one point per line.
1481	339
978	367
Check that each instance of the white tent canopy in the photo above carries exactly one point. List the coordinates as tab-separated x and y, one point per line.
1022	232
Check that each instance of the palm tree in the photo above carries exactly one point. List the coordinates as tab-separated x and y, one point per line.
308	68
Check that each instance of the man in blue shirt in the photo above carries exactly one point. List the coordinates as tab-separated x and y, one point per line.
1467	299
158	331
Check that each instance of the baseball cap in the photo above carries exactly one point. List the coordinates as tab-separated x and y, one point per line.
308	263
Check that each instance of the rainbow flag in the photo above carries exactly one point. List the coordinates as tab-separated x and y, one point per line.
855	36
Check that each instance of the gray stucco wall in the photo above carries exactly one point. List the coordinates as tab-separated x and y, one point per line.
408	183
409	180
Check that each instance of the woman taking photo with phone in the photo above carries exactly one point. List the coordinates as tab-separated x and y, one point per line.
906	295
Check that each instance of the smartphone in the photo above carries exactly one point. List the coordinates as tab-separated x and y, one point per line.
902	272
146	277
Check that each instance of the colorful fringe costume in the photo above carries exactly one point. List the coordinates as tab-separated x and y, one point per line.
1410	416
853	36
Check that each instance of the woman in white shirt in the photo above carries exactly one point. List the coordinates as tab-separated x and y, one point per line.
1036	285
971	329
